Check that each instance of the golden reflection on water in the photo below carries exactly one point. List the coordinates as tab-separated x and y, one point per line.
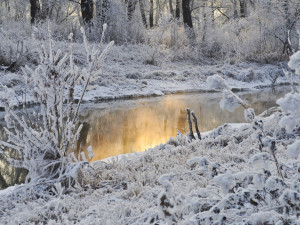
136	125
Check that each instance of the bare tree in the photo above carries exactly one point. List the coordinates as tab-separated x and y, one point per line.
187	13
151	13
142	9
204	16
157	10
171	8
235	12
288	25
177	12
243	8
47	8
102	12
131	8
87	9
34	10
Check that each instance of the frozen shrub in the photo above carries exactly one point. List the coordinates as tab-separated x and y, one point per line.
230	101
294	62
216	82
225	181
203	162
46	141
260	160
290	199
294	149
249	114
275	183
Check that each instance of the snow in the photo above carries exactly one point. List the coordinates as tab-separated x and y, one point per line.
225	181
232	176
294	149
90	152
294	62
196	182
249	114
125	75
216	82
230	101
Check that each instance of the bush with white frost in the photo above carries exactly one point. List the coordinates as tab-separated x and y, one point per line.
45	140
290	106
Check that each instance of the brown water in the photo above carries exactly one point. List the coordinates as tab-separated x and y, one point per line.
126	126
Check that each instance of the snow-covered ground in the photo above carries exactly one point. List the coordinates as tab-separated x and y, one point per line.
235	175
125	74
223	179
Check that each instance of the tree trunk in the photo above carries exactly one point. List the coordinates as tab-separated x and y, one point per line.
3	182
47	8
212	13
34	10
177	16
204	30
171	8
235	12
7	5
287	45
130	9
151	14
142	9
188	23
243	8
104	12
157	12
187	14
87	11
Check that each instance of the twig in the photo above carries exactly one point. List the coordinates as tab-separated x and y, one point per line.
191	134
196	125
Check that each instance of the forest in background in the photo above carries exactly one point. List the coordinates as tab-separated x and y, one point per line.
228	30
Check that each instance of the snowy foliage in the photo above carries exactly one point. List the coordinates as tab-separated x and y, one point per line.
294	149
294	62
199	182
45	139
249	114
216	82
290	105
230	101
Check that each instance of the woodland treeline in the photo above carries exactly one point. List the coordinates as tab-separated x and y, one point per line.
258	30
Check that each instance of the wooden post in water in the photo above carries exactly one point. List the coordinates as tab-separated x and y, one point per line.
196	125
191	134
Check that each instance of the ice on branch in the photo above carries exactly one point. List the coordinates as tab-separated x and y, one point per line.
225	181
294	62
249	114
230	101
294	149
46	140
216	82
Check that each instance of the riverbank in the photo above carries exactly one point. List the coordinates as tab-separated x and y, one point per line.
234	175
222	179
126	74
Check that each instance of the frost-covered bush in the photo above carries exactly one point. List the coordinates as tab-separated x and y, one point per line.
45	140
290	105
230	101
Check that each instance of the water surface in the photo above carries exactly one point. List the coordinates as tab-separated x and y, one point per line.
135	125
124	126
